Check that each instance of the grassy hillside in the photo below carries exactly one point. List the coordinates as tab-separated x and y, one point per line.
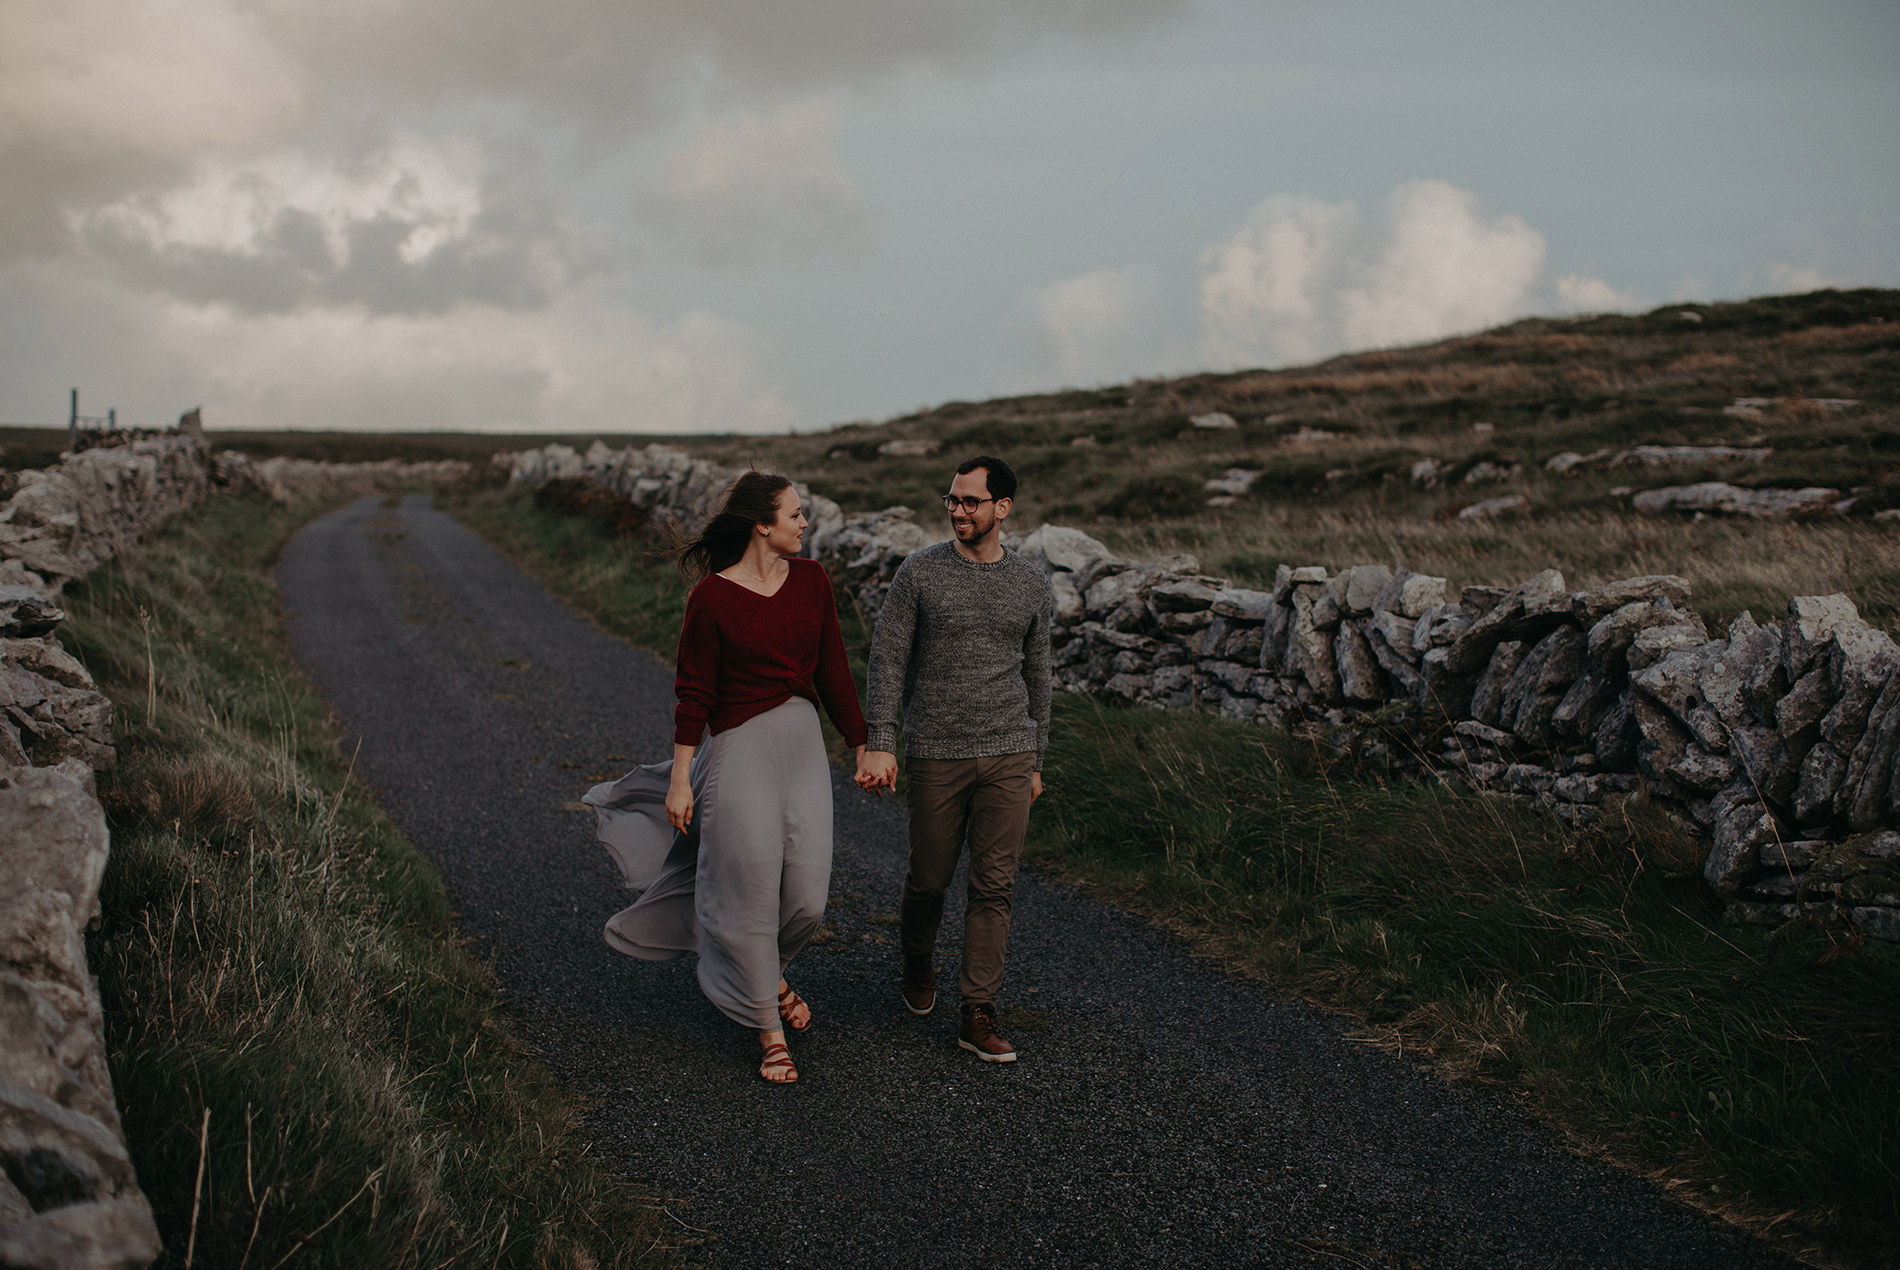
1335	445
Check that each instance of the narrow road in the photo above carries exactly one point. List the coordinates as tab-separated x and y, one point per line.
1165	1111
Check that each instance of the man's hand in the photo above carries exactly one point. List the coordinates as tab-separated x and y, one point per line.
877	769
1035	786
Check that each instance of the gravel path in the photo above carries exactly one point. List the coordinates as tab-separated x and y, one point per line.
1165	1112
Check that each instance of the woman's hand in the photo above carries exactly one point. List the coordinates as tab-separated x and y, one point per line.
679	804
679	790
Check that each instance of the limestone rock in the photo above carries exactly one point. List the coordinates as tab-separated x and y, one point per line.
1365	584
1717	497
1397	662
1805	704
1359	678
1807	628
1054	549
1182	596
1069	606
1863	793
1487	695
1771	767
1396	631
1542	682
1507	620
1243	604
1704	772
1743	826
1496	508
52	836
24	612
1654	643
1589	606
1440	627
1618	734
1310	651
1859	667
1821	773
1577	712
1664	741
111	1234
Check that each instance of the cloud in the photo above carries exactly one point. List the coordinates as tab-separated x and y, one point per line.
99	99
737	191
1305	278
419	226
365	213
585	362
1581	293
1091	326
1793	280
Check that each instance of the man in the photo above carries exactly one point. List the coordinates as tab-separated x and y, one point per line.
962	647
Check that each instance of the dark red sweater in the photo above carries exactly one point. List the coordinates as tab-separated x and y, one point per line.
742	653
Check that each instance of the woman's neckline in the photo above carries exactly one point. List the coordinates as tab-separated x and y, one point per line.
764	595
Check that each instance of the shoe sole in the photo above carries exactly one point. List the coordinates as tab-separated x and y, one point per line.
985	1055
914	1010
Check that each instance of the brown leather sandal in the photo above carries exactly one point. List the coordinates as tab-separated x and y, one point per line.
793	1010
777	1059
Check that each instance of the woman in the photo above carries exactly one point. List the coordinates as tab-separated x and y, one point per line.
747	801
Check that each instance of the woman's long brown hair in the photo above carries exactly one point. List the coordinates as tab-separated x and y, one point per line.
751	500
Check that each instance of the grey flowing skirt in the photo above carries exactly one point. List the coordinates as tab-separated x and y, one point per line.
745	887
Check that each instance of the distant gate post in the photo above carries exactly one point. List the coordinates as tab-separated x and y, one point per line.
72	424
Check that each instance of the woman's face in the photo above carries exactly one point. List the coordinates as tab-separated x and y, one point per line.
787	534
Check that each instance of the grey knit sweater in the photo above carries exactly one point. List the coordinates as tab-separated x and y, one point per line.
963	648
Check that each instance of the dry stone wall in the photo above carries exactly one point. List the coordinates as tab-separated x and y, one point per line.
68	1197
1780	741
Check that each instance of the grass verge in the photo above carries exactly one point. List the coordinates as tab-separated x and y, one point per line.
311	1069
1583	971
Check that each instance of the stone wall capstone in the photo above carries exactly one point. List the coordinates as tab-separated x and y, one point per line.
1778	741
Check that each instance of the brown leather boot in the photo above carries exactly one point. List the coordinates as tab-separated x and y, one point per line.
976	1032
920	984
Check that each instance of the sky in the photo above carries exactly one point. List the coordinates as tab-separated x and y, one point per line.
748	216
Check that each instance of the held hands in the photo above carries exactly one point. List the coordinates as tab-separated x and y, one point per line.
877	771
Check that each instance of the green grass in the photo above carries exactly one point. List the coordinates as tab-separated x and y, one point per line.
1584	972
289	1009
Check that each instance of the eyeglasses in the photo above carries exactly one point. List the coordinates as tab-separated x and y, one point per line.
951	502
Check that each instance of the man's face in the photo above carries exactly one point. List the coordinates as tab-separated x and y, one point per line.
973	527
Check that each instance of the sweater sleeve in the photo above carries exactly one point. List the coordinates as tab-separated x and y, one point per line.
836	689
1036	670
890	659
696	670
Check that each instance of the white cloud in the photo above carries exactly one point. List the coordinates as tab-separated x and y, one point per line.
422	224
1306	278
1270	292
1581	293
584	362
758	184
1793	280
1091	326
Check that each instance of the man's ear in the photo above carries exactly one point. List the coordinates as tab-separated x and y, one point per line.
1002	507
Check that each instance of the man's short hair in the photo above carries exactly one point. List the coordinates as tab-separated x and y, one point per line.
1000	479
